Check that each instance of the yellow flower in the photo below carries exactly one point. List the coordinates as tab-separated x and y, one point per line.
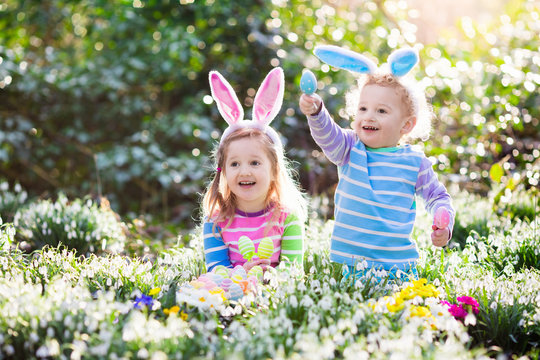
172	310
397	304
420	311
154	291
183	316
218	290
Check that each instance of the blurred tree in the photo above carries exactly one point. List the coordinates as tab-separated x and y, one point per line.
112	96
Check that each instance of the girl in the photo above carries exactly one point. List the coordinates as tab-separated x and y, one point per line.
252	192
379	175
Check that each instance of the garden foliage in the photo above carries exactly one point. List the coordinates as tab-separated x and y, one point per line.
476	301
111	97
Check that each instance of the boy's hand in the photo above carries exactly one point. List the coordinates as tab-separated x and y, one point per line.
440	237
310	104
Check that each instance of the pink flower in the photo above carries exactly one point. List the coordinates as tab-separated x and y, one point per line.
457	311
470	303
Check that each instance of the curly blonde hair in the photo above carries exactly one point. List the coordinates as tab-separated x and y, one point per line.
412	96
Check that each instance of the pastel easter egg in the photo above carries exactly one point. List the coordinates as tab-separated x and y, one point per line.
235	292
197	284
209	285
308	82
247	249
226	284
236	278
266	248
244	284
222	271
239	270
256	271
441	218
217	278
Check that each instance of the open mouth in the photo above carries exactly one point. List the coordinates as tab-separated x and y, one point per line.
370	128
246	183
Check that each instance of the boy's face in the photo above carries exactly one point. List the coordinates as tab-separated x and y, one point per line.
381	118
248	171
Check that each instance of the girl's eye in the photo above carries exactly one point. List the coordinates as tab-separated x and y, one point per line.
255	163
382	111
234	164
362	108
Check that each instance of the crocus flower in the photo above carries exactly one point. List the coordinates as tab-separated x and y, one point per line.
143	300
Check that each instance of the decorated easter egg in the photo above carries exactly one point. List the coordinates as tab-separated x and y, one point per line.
266	248
226	284
221	270
236	278
247	249
239	270
256	271
441	218
197	284
217	278
308	82
209	285
235	292
244	284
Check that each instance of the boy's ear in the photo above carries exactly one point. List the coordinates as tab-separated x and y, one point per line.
408	125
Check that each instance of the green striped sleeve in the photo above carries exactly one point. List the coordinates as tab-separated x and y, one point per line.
292	242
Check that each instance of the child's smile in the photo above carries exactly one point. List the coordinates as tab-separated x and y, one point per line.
248	173
380	120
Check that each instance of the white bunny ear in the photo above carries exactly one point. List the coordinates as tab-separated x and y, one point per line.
344	59
269	97
402	61
228	105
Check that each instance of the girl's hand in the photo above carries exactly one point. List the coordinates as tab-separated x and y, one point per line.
310	104
440	237
264	263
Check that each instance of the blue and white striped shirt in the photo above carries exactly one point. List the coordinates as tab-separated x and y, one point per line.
375	200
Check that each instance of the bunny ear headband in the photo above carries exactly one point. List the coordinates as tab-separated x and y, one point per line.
266	105
400	61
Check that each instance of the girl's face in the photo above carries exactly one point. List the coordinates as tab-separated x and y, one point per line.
248	171
381	119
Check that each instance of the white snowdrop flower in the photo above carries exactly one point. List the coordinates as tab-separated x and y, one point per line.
324	333
306	301
159	355
301	286
4	186
293	301
142	353
34	338
10	350
470	319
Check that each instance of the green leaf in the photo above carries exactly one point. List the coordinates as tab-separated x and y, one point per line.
496	172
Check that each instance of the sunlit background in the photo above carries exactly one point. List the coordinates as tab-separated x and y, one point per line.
112	99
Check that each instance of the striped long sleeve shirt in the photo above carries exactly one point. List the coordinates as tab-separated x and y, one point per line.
375	200
221	242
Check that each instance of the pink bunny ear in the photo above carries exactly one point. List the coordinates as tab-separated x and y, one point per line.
269	97
228	105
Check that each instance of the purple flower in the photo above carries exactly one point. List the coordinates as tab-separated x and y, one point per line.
143	300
